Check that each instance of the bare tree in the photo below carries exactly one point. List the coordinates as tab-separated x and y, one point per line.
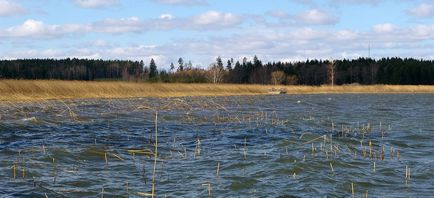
278	77
331	72
291	80
216	73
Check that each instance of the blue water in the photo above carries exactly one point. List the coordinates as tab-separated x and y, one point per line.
261	144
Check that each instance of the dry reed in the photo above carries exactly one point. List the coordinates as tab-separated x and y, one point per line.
218	169
352	190
155	154
30	90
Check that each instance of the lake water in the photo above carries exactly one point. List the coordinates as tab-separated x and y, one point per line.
244	146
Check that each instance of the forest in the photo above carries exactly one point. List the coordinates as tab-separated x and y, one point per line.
364	71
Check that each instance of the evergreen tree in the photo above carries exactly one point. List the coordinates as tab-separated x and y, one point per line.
181	64
229	65
152	69
172	66
142	64
219	63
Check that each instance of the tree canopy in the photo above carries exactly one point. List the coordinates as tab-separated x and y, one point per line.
406	71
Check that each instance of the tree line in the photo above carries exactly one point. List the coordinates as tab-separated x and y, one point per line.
310	72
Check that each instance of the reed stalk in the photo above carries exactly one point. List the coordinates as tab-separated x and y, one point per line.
155	154
209	188
105	158
14	171
331	166
218	170
352	190
398	154
313	149
197	152
407	173
391	152
245	148
331	142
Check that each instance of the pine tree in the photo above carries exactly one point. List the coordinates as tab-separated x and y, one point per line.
172	66
219	63
229	65
181	64
152	69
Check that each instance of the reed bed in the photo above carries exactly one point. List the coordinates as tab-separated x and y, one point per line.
31	90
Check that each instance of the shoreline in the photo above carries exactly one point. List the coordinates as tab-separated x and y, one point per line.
39	90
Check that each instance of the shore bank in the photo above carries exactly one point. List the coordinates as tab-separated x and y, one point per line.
33	90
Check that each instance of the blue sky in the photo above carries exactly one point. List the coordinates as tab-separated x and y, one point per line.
201	30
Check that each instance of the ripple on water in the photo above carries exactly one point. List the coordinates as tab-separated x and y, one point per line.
257	142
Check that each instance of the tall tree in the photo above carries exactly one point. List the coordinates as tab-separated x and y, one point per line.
331	72
172	66
219	62
217	70
278	77
229	65
152	69
256	62
180	64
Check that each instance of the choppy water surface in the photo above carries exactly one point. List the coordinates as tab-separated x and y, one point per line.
263	146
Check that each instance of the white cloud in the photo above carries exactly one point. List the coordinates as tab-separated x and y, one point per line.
211	20
423	32
101	43
52	53
166	16
317	17
38	29
122	25
423	11
95	3
307	34
384	28
278	14
8	8
346	35
294	43
83	53
182	2
214	19
371	2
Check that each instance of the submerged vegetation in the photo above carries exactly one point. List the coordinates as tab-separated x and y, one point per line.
250	146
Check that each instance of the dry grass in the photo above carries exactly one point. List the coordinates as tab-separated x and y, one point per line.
31	90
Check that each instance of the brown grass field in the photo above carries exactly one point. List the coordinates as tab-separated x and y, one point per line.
33	90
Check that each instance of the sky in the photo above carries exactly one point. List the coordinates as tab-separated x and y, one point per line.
201	30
